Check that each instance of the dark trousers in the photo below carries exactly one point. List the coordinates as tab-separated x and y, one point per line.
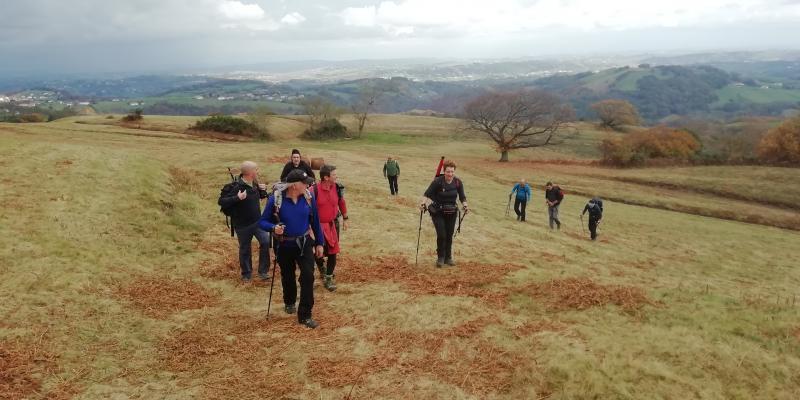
331	257
331	264
519	208
289	257
593	226
445	225
245	235
393	184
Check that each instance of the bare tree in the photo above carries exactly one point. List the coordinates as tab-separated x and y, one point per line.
368	95
320	110
518	120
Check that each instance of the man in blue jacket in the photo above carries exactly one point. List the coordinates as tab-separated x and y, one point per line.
523	196
290	217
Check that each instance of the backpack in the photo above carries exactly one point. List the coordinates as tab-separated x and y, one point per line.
230	189
595	207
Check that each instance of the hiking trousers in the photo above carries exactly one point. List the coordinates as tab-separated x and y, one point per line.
519	208
245	236
445	225
393	184
552	212
291	257
593	226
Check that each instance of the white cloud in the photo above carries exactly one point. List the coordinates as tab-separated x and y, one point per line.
237	10
293	18
483	18
359	16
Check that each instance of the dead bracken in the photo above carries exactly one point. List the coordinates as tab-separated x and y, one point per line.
23	365
583	293
159	297
473	279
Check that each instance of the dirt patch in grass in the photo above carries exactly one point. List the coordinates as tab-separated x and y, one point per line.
466	279
583	293
160	297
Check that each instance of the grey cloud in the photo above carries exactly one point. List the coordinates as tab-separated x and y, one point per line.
95	35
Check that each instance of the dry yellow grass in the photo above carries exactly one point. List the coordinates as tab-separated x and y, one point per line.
100	222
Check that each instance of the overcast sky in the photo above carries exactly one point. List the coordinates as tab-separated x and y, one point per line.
105	35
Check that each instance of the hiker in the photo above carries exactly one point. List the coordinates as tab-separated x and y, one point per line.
288	215
391	171
440	200
553	197
330	203
595	209
523	192
296	162
244	203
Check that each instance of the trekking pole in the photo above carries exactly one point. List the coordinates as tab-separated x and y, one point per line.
419	234
274	267
460	219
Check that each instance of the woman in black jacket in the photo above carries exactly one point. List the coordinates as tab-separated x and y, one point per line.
440	200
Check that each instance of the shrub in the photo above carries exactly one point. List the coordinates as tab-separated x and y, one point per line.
136	115
232	126
328	129
659	143
33	117
782	144
615	113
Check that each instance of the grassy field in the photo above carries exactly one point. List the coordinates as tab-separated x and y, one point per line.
119	279
755	95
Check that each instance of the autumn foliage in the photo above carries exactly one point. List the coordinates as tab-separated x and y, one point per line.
782	144
615	113
658	143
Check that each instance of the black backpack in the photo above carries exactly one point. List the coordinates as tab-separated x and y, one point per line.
597	210
230	189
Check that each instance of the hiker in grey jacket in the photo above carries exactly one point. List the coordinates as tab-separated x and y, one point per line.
391	171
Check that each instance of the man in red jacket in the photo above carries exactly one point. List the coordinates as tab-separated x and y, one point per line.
330	203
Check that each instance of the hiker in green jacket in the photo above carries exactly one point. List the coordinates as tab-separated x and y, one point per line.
391	170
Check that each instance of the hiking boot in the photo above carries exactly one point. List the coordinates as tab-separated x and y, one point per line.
290	309
263	277
330	284
246	279
440	262
450	262
309	323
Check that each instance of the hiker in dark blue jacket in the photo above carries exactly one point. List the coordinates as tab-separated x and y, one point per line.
523	192
290	217
595	209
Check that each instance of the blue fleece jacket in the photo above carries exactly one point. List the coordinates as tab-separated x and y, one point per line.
523	192
294	216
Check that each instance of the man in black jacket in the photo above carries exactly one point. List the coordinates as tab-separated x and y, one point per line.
296	163
595	209
245	206
553	196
